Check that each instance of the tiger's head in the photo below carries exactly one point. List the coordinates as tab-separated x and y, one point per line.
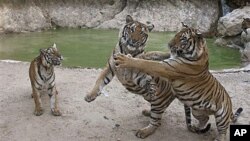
134	35
245	24
187	43
51	56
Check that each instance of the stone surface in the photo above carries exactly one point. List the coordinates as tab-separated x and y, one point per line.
22	20
245	53
232	42
245	37
230	24
165	15
82	121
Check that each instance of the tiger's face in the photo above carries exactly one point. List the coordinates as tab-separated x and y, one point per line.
187	43
135	34
245	24
51	56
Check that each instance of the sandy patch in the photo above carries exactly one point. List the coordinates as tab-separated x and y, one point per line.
108	118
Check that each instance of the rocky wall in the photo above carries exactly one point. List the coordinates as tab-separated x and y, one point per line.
166	15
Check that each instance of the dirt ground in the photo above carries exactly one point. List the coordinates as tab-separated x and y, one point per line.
115	117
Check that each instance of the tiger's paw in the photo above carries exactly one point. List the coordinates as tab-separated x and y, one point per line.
146	131
38	111
146	112
220	137
56	112
89	98
197	130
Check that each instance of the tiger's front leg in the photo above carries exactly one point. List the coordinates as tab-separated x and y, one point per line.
105	77
222	119
54	102
38	103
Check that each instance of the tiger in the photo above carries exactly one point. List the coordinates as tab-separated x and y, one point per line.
132	40
245	24
42	78
192	83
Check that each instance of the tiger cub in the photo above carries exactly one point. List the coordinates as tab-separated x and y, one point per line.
245	24
42	78
192	83
133	37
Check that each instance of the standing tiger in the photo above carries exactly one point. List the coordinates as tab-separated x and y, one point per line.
132	40
192	83
42	78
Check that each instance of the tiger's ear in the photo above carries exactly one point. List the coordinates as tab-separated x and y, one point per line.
199	34
184	25
129	19
54	46
42	51
150	26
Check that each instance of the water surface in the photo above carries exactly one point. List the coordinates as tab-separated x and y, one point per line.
91	47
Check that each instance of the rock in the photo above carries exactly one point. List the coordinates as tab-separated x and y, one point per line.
168	15
230	41
79	15
245	37
245	53
105	117
230	24
237	3
165	15
23	20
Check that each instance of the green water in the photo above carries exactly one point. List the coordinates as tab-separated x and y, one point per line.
91	48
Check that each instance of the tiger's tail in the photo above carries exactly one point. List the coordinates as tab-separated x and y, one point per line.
190	126
236	114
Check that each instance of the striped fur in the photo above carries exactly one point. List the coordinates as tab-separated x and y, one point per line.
192	83
132	40
42	78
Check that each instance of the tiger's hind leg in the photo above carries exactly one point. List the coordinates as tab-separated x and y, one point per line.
158	106
38	103
105	77
54	102
222	118
203	118
155	122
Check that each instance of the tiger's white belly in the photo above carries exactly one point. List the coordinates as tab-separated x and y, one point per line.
45	81
124	75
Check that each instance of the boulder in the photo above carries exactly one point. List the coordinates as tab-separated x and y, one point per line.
245	37
245	55
230	24
232	42
245	52
22	20
166	15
